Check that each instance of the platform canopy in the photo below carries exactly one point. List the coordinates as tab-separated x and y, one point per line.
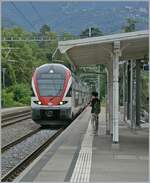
98	50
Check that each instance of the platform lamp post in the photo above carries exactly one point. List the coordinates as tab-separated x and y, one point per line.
3	71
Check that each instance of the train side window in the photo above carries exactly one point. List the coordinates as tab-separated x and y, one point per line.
69	94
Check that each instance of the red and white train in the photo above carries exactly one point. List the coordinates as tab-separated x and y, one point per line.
58	95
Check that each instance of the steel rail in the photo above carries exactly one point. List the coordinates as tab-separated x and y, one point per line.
9	116
20	139
25	162
15	119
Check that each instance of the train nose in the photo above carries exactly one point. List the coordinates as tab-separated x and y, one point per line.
50	103
49	113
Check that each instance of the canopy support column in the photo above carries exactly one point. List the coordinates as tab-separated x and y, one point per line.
116	55
99	82
124	92
128	89
107	104
111	101
138	91
131	96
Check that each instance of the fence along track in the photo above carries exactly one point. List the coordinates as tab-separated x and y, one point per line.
25	162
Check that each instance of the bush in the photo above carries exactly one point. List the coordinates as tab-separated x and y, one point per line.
8	101
103	102
20	91
16	95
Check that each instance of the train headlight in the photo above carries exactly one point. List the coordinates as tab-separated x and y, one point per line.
61	103
39	102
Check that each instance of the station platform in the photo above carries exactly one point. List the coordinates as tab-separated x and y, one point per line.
78	155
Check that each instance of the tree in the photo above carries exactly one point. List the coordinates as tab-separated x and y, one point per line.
22	59
67	36
95	31
44	29
130	25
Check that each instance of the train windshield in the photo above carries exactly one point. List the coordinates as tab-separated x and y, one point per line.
50	84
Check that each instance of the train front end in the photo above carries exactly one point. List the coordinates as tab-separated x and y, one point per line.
50	104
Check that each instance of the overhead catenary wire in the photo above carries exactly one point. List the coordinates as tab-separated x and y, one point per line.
37	12
32	26
20	12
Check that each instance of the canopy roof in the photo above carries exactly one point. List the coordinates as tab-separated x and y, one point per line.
97	50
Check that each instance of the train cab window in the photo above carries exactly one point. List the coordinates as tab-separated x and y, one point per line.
69	94
50	85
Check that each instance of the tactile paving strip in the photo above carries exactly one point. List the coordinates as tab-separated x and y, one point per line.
82	168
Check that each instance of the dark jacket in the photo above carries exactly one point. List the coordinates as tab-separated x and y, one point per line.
93	101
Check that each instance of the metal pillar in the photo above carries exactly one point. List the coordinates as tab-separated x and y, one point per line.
124	92
111	101
128	91
107	105
116	55
131	96
138	73
99	82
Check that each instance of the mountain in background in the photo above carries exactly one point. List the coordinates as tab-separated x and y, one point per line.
74	17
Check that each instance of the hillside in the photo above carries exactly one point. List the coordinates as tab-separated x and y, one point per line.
74	17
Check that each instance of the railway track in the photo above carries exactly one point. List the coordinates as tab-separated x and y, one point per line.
13	118
23	163
20	139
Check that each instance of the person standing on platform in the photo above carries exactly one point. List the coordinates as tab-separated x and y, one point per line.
96	108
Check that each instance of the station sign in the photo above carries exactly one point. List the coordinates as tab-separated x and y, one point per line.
146	67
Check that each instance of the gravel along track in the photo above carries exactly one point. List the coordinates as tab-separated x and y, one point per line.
16	154
19	140
15	131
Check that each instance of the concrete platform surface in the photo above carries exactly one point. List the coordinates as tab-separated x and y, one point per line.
78	155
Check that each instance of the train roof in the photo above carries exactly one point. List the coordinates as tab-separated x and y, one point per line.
52	65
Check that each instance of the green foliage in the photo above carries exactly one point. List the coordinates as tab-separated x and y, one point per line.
8	99
22	60
103	102
103	83
130	25
20	91
45	29
19	63
26	56
67	36
95	31
16	95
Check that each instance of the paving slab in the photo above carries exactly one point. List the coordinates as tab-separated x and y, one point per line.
126	161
